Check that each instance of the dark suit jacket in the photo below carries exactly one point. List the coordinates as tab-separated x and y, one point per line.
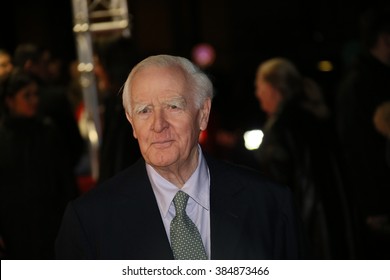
250	218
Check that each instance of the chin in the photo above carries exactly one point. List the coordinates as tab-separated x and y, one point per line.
162	159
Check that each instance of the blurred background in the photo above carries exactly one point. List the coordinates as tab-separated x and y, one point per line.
228	40
242	33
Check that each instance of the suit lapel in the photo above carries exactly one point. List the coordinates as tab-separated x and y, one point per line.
226	214
226	228
146	223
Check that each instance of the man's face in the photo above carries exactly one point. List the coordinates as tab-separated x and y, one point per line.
164	117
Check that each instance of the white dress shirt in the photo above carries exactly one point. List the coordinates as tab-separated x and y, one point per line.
198	206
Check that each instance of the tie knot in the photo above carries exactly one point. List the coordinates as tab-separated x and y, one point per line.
180	200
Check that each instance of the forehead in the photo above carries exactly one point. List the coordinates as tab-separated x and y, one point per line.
158	81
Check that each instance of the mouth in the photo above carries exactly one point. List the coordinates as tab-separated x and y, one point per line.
162	144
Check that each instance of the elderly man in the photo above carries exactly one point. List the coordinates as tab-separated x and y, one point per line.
229	212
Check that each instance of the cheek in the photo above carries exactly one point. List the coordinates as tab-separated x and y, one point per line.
263	94
267	96
135	133
258	93
139	131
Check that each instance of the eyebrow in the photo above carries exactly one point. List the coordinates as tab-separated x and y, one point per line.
138	107
177	100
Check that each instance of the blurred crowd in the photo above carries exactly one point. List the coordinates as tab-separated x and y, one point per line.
335	157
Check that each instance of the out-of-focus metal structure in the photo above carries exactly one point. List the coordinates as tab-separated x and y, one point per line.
90	18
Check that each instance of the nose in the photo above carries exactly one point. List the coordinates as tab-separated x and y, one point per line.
159	121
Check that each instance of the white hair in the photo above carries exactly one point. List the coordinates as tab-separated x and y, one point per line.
199	83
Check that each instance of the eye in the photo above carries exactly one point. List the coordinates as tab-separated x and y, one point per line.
143	110
174	108
175	105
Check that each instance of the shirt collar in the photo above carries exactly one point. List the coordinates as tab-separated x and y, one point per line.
197	186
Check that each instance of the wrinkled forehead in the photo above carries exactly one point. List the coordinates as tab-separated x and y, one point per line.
155	80
174	72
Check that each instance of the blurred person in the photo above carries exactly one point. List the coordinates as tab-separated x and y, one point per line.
54	101
382	124
6	65
36	177
119	148
298	150
112	59
381	119
364	87
32	59
239	214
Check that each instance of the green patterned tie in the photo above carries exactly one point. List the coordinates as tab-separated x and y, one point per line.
186	242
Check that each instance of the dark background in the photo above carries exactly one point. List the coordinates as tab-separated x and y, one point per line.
244	33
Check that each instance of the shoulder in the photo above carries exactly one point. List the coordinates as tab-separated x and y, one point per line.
241	187
240	177
123	185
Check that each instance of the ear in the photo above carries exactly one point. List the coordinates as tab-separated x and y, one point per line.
204	114
130	119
